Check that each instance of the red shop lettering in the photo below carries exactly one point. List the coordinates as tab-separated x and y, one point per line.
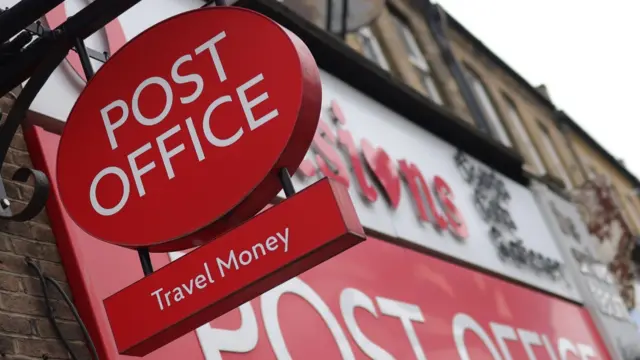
435	206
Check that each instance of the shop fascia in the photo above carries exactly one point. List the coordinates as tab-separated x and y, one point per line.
380	184
579	244
433	204
244	339
599	287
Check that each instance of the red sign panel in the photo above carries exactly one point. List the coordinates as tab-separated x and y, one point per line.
273	247
188	121
377	299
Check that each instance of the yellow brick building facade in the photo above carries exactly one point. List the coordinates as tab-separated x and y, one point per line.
518	114
430	51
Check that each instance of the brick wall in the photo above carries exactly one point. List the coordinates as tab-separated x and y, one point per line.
25	331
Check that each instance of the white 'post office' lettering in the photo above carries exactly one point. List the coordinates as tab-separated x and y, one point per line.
245	338
115	114
350	299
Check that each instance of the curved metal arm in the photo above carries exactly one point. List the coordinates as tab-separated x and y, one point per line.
58	50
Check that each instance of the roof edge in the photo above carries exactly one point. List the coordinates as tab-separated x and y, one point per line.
337	58
563	118
457	26
559	115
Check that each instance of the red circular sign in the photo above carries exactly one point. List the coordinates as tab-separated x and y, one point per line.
181	134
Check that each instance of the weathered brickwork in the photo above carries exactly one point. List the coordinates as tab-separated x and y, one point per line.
25	331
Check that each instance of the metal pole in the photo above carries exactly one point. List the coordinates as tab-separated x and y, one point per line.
143	253
84	59
287	184
145	261
329	14
345	15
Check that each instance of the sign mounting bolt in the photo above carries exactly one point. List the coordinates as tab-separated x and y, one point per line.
5	203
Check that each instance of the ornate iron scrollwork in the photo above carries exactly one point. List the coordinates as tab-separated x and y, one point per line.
22	59
58	50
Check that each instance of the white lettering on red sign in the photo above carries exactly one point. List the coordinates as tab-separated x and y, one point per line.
244	339
116	113
207	118
230	262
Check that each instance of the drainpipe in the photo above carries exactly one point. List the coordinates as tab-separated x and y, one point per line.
437	22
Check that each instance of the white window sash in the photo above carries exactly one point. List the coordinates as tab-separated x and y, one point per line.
415	53
518	124
380	59
432	89
488	109
634	211
555	158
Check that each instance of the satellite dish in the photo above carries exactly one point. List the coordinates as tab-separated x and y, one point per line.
360	12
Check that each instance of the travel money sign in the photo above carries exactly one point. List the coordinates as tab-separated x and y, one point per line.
178	141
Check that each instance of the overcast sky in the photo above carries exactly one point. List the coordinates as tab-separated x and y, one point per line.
586	52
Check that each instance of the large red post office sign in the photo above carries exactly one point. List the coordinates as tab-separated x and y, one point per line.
188	121
184	135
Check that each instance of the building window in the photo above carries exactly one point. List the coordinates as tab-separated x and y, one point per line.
417	59
622	205
588	167
626	208
516	122
633	210
371	47
551	150
489	110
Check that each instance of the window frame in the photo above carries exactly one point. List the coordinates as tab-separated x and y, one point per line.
365	33
587	163
624	203
514	117
557	162
621	202
498	129
635	214
417	58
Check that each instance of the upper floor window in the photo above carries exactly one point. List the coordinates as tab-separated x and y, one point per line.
417	59
625	207
489	110
590	170
633	209
371	47
552	151
517	124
